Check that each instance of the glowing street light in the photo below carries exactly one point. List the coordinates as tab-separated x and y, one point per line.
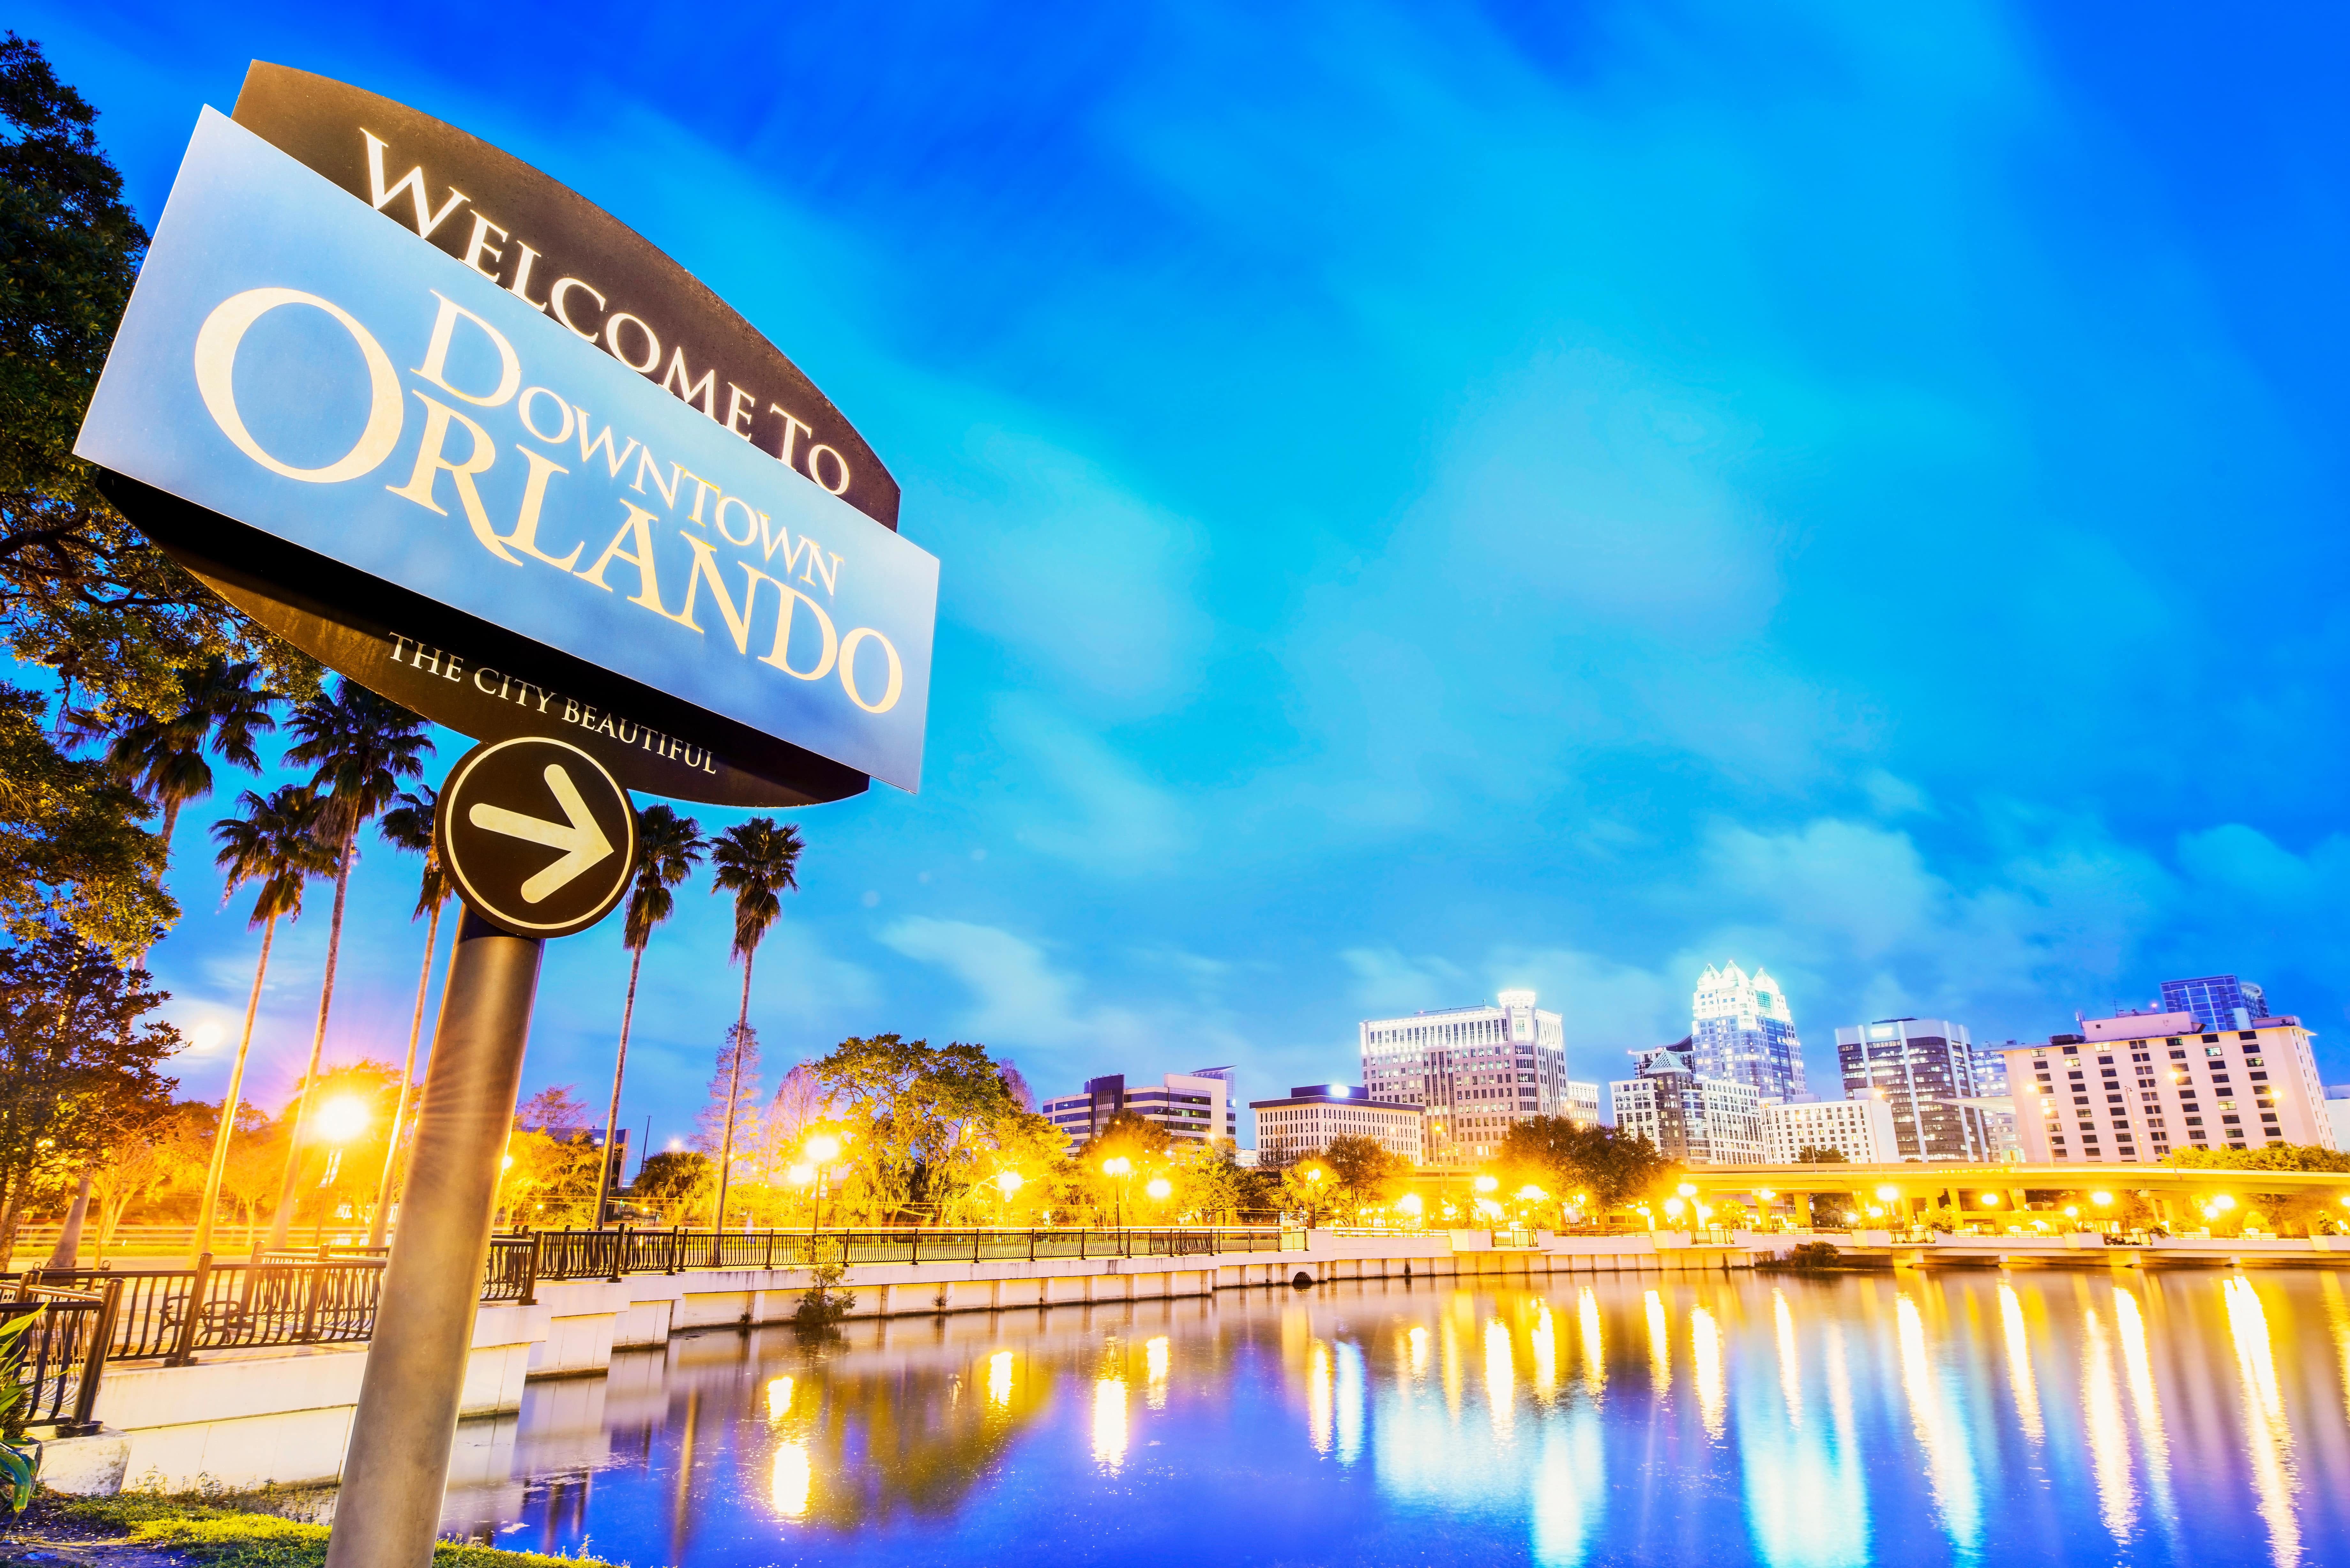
1009	1182
2101	1199
1988	1199
1118	1167
1686	1189
1409	1204
1486	1183
821	1150
343	1120
1158	1188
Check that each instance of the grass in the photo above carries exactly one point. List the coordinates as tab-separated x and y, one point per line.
235	1530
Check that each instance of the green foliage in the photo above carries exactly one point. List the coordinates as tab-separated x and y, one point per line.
1811	1154
233	1530
18	1463
825	1305
81	591
274	843
218	707
1812	1255
358	746
677	1182
76	1062
669	847
2272	1157
408	825
1367	1174
71	849
1565	1157
925	1126
756	860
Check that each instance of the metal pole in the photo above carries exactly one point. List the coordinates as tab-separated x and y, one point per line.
388	1513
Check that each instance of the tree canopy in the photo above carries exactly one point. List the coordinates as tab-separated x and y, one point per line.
2273	1157
926	1125
82	591
1564	1157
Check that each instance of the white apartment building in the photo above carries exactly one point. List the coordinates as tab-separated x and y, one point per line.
1313	1113
1195	1107
1475	1070
1698	1121
1861	1131
2136	1087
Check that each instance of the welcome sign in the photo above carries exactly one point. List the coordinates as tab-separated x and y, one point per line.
493	514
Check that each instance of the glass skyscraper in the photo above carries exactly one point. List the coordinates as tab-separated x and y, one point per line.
2218	1001
1741	1033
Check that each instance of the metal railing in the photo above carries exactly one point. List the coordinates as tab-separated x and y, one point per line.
174	1313
302	1298
62	1357
609	1254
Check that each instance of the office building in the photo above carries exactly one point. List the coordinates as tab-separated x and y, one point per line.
2139	1084
2218	1001
1477	1070
1195	1107
1687	1117
1740	1031
1860	1130
1994	1100
1925	1069
1581	1102
1313	1113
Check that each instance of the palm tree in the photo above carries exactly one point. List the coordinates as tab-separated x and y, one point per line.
755	861
162	756
274	842
669	847
408	826
360	746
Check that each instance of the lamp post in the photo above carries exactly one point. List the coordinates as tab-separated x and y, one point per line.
339	1121
821	1150
1118	1167
1007	1183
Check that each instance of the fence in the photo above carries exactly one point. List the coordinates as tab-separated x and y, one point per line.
330	1296
62	1357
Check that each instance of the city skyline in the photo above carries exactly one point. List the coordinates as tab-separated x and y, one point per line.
1278	507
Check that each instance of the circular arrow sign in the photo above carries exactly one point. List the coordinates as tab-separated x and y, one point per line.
539	838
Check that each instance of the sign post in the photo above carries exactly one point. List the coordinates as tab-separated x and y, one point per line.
472	442
388	1513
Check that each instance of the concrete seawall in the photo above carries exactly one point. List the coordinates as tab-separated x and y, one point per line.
243	1419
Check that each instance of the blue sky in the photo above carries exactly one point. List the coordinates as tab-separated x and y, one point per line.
1437	498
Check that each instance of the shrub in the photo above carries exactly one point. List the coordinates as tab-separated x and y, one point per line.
824	1305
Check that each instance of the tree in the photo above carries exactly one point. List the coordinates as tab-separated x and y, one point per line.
274	843
408	825
554	1110
757	861
925	1125
1567	1159
677	1182
79	1057
1811	1154
1367	1173
2271	1157
358	746
159	1149
1210	1187
71	849
669	847
1308	1189
218	707
725	1121
81	591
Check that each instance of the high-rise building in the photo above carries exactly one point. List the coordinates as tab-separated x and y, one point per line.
2218	1001
1925	1069
1313	1113
1741	1032
2138	1084
1477	1070
1196	1106
1998	1103
1694	1119
1860	1130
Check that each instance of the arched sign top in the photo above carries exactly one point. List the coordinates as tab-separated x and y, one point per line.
559	252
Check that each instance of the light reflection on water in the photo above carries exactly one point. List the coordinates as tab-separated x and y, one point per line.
2055	1417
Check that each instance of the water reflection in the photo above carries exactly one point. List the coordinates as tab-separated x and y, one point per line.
2051	1418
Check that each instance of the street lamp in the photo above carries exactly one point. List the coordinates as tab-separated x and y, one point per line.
1158	1188
821	1151
1118	1167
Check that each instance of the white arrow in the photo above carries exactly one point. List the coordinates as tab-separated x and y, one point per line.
582	842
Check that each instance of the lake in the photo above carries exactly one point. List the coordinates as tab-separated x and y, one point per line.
2037	1417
